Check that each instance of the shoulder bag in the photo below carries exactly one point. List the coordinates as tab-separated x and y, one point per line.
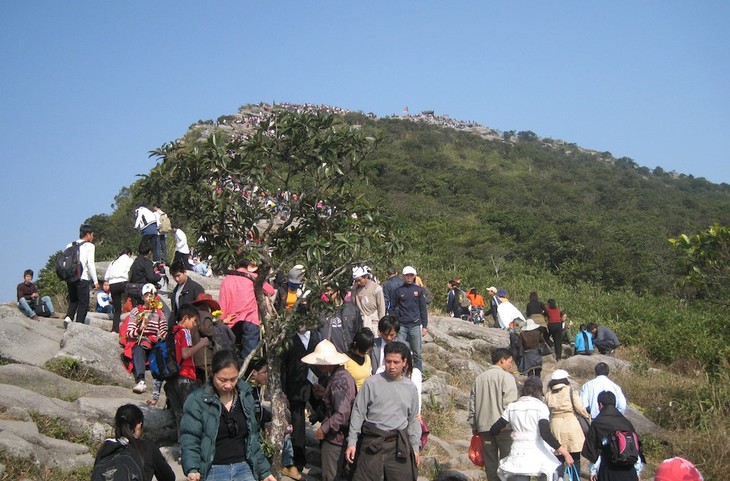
584	423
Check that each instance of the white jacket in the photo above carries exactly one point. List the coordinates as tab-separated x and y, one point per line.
118	270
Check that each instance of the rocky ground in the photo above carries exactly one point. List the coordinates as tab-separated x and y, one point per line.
30	394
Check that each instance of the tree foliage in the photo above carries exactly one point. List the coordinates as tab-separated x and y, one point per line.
705	262
288	192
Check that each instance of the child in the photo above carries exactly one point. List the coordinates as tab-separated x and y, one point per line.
104	299
179	388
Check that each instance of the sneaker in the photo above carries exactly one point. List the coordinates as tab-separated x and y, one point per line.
140	387
55	315
66	322
291	472
35	318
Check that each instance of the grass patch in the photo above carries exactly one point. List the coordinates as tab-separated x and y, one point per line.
59	428
439	416
26	469
71	368
692	408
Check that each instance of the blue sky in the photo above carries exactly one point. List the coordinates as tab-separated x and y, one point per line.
88	88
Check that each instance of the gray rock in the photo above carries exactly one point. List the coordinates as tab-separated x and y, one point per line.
95	350
25	341
52	385
583	366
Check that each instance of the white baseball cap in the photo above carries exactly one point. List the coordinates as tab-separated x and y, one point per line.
409	270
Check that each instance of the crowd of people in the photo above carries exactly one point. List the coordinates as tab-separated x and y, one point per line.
358	372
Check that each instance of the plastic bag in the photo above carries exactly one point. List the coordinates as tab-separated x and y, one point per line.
475	451
571	473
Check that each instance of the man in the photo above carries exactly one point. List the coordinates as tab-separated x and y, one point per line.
182	250
78	291
388	328
384	431
186	291
389	287
239	307
146	222
179	388
338	398
27	293
606	422
295	381
142	271
340	320
492	391
493	304
590	391
163	228
604	339
409	307
368	296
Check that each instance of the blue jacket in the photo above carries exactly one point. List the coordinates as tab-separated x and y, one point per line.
581	346
389	292
409	305
199	429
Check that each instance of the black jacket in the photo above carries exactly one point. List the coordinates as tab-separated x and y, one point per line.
190	292
607	421
143	271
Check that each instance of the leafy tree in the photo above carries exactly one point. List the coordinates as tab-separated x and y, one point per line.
706	262
287	192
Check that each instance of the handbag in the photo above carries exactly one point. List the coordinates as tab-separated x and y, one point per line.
476	455
133	289
585	424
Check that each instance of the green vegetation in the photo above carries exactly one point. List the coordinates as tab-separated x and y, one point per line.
16	469
71	368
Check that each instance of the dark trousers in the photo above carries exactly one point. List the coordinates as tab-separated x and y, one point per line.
299	433
177	391
247	335
117	291
604	346
184	258
495	448
154	241
78	300
162	239
333	461
556	332
139	359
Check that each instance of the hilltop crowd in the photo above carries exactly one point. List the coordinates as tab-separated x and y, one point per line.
358	372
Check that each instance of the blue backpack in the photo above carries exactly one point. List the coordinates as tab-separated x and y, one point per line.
162	359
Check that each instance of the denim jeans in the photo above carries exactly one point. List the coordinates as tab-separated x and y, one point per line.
411	335
28	311
230	472
287	452
247	335
162	240
139	360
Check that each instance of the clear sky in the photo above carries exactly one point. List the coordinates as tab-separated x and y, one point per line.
88	88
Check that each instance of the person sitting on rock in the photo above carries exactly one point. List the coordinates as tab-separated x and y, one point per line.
584	342
147	324
104	298
28	296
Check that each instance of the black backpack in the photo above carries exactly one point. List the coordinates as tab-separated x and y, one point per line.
122	464
68	265
624	446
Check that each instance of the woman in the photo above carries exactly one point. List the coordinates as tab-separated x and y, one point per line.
537	311
565	404
128	423
555	327
359	364
219	431
117	274
529	455
530	339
